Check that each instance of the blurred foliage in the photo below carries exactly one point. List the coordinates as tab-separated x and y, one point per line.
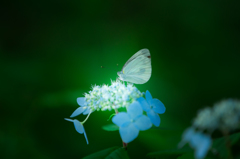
110	127
51	53
114	152
171	154
217	150
219	145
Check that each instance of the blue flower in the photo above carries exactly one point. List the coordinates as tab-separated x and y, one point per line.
82	109
131	122
79	127
198	141
153	107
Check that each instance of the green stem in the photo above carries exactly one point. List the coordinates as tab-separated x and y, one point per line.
86	117
228	144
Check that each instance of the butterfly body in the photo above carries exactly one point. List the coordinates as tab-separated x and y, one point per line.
138	68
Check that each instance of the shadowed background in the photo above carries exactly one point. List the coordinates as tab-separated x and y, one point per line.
51	53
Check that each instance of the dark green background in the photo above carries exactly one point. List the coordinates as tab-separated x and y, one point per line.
51	53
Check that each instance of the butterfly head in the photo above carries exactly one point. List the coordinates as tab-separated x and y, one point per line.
120	74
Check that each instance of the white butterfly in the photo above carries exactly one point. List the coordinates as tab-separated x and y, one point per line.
138	68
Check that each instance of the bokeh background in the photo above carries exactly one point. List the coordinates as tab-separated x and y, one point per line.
51	53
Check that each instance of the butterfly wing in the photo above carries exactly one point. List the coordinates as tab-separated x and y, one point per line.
138	68
144	52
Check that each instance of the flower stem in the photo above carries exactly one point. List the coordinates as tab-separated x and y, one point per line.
228	144
86	117
116	111
125	145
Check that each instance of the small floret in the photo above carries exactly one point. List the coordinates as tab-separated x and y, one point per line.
79	127
153	107
131	122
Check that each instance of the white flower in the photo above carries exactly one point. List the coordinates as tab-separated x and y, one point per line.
111	97
205	119
228	113
225	115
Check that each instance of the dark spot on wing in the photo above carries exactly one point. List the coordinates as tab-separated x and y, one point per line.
148	56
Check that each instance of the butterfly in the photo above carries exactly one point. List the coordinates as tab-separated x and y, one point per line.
138	68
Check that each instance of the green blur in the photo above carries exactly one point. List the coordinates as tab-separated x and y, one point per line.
51	52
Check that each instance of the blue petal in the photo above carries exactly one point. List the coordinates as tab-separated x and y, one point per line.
158	106
69	119
126	124
144	104
86	111
120	119
196	139
78	126
128	133
155	119
81	101
148	97
203	147
143	123
134	110
188	134
77	112
85	135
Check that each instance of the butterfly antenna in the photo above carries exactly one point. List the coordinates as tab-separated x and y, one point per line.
109	68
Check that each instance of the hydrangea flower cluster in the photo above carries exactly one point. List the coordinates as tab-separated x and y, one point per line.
111	97
224	116
115	96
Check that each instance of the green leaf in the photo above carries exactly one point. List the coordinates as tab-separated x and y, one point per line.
174	153
110	127
110	153
120	153
187	156
166	128
220	145
190	156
